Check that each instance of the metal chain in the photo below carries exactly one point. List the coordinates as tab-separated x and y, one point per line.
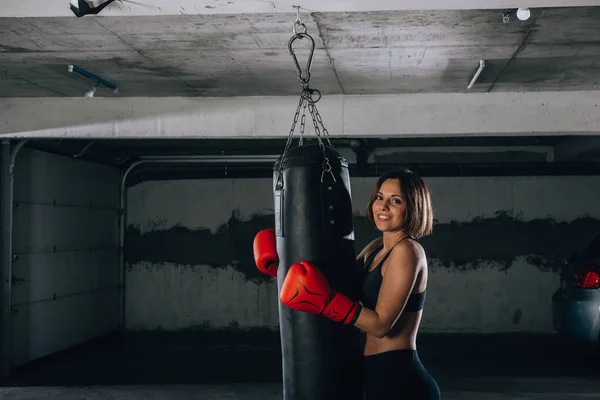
320	120
294	122
303	123
306	101
289	139
313	112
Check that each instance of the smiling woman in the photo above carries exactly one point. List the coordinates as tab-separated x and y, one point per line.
393	288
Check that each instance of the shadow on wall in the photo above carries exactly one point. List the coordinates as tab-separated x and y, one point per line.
461	245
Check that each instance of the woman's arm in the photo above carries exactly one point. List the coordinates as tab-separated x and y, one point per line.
306	289
398	281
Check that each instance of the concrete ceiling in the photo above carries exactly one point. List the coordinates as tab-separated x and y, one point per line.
57	8
394	74
245	54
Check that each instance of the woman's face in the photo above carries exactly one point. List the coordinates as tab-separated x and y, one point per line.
389	208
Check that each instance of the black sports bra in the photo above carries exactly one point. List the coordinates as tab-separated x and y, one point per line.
371	284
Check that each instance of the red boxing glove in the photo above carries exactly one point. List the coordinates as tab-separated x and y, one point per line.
265	252
306	289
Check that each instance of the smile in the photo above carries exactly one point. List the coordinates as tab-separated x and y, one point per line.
383	217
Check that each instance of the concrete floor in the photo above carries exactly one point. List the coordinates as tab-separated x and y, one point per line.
220	366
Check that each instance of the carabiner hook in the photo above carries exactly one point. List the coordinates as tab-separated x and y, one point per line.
306	78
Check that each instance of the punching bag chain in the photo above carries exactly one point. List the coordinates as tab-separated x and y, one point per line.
316	117
292	129
304	78
306	101
303	124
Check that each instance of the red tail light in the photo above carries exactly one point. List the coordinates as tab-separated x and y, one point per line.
588	278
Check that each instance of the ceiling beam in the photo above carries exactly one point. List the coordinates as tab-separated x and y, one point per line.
60	8
408	115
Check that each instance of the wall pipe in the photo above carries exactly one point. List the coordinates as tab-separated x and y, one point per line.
216	159
477	73
7	169
82	152
182	159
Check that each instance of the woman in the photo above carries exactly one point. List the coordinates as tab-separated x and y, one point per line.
393	290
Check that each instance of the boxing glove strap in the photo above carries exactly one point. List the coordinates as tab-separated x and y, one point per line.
357	313
351	313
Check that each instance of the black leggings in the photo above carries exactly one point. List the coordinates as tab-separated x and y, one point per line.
398	375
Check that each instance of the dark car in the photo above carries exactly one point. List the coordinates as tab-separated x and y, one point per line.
576	304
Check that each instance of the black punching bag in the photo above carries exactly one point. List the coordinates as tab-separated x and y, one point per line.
322	359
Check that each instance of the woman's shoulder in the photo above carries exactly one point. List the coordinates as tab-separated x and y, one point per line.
408	250
371	247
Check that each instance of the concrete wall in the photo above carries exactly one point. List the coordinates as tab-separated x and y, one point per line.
66	240
494	256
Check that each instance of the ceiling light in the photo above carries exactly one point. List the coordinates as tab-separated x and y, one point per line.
523	14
